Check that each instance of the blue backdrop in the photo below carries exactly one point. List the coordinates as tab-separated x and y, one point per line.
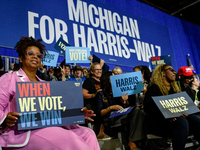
183	36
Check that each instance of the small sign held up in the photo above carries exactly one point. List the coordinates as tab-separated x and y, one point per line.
61	45
77	55
131	83
159	60
50	59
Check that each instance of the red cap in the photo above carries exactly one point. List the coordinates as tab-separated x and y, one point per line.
185	71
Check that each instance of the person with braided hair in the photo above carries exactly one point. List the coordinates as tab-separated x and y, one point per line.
163	82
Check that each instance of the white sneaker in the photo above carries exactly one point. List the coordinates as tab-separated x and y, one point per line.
104	137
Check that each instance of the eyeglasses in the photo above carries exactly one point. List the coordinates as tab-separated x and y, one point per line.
170	69
189	77
31	53
97	69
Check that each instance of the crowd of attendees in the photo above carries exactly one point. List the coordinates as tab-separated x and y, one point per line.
145	117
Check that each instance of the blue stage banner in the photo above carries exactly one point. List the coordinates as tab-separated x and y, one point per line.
113	35
159	60
174	105
77	55
50	59
121	112
47	104
131	83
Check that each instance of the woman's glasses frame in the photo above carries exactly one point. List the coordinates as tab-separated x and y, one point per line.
31	53
170	69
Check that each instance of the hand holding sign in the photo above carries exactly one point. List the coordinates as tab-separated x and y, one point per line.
11	119
88	114
124	98
115	107
102	62
184	115
121	112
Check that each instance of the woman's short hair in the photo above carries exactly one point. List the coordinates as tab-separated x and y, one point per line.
92	66
118	69
26	42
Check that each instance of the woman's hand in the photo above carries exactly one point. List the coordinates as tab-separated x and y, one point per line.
184	115
124	98
11	119
144	91
98	90
102	62
116	107
174	119
198	105
88	114
90	57
62	70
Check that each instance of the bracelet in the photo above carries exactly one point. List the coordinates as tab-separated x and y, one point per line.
93	95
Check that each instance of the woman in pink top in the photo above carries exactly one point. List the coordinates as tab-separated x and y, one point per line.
72	137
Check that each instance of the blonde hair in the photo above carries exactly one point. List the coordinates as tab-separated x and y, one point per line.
118	69
92	66
157	78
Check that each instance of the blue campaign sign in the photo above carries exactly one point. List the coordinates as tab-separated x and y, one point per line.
159	60
131	83
61	46
174	105
113	35
50	59
77	55
47	104
121	112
